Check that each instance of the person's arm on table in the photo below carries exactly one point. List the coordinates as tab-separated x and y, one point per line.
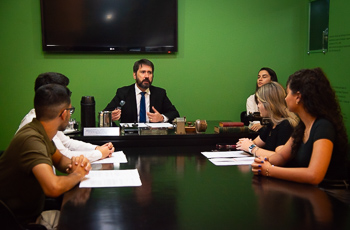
74	148
106	150
245	143
313	174
53	185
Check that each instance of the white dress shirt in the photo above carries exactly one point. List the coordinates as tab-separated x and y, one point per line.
147	100
67	146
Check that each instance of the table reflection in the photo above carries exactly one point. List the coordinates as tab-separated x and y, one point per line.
186	191
305	206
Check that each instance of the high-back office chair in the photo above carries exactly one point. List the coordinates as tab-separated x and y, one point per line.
8	220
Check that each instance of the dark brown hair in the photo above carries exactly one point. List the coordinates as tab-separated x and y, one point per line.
319	100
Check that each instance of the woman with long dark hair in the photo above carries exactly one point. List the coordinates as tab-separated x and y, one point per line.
317	150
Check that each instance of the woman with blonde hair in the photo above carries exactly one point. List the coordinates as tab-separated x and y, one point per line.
272	105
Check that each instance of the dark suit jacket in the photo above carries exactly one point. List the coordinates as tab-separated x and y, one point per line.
158	99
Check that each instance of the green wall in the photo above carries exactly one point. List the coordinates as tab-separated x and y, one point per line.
336	62
222	44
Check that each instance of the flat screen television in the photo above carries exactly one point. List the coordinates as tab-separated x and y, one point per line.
114	26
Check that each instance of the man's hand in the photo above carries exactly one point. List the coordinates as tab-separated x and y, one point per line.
156	116
116	114
79	165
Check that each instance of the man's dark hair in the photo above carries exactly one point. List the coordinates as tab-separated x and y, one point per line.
49	100
141	62
50	78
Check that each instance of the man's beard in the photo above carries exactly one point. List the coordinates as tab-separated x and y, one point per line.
143	85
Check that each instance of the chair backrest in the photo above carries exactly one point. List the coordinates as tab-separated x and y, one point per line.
244	118
8	219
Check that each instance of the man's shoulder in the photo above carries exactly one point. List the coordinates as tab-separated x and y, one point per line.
30	130
156	89
126	88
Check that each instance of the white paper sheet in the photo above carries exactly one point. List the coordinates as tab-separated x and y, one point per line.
232	161
111	178
117	157
221	154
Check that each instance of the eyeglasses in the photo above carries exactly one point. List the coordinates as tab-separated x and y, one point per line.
71	111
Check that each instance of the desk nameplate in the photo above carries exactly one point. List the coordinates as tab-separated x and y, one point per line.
101	131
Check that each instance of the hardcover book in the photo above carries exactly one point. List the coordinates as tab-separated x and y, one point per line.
219	129
231	124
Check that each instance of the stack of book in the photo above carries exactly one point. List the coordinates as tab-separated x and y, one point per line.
231	127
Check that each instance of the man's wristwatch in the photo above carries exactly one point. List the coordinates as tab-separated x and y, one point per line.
251	148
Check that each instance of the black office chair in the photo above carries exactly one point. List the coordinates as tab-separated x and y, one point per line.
8	220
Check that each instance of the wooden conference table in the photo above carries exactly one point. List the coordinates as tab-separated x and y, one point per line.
181	189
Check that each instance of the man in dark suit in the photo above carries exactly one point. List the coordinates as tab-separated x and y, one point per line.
158	106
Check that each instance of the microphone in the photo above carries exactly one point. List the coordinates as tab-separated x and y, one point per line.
122	103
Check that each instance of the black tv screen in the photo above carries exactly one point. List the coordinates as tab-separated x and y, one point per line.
120	26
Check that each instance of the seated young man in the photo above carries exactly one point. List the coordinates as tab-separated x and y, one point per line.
26	166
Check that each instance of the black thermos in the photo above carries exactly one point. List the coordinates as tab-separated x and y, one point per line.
87	105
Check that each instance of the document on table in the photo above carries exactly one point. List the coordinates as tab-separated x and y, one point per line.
111	178
117	157
222	158
232	161
220	154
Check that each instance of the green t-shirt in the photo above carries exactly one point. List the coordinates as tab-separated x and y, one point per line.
20	190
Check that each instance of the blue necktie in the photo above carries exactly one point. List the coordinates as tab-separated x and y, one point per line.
143	108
